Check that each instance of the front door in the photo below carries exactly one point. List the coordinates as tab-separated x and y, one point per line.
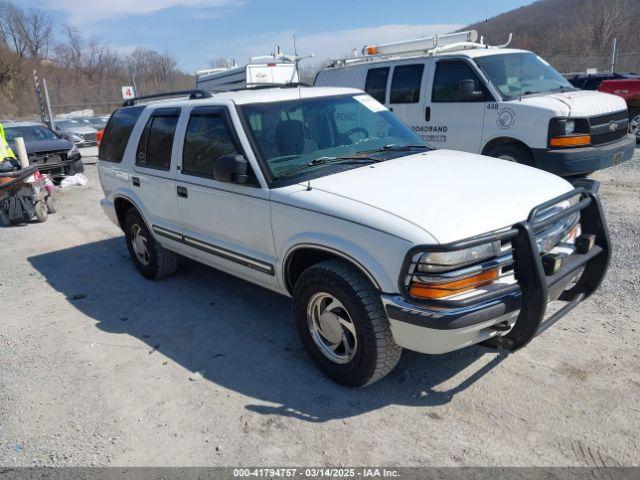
456	122
226	225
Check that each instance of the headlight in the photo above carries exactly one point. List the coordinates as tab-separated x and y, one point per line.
74	151
443	274
569	132
443	261
569	127
75	138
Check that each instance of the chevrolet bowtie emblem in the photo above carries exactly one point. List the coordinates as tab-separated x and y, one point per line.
613	127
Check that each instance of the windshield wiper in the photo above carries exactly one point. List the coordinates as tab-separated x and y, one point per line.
330	160
401	148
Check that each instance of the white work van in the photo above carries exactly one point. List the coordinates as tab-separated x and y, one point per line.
268	70
458	93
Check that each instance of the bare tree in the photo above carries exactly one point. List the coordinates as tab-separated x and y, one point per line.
12	28
37	29
219	62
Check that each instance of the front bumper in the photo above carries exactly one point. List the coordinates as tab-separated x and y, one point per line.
578	161
512	315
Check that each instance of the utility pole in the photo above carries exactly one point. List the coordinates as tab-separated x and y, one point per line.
614	55
39	102
52	124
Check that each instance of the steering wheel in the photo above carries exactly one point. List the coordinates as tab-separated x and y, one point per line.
363	130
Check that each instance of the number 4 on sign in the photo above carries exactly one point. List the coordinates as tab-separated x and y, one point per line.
127	93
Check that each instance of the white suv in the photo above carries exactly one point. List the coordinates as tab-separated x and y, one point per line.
323	195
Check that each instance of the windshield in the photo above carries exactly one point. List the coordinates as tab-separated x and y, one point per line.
33	133
517	74
297	136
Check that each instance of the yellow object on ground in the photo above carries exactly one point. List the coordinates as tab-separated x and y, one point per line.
5	150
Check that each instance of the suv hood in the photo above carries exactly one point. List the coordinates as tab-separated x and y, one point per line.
449	195
43	146
580	103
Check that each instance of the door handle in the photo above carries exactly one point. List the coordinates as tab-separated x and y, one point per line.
427	114
135	181
182	192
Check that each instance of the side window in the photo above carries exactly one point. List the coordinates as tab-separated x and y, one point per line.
405	85
116	133
376	83
446	82
156	142
208	137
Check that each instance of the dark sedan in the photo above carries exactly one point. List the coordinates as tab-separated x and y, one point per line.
45	148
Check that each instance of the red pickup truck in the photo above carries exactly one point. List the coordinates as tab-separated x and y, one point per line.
625	85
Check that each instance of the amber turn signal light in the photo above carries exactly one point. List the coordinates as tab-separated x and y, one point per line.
574	141
441	290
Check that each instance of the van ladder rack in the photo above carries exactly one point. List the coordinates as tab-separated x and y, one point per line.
193	95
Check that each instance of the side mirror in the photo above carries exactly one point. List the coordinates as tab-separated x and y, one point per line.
231	168
467	91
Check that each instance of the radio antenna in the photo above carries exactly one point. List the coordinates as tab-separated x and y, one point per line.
304	128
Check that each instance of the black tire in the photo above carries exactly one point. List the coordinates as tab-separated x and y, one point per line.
52	204
634	122
78	166
5	221
512	152
160	262
41	211
376	354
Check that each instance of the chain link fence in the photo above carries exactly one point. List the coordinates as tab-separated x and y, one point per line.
566	64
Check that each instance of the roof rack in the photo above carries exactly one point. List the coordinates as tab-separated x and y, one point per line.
193	95
419	46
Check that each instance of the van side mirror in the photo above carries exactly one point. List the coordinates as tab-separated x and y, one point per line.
231	168
467	91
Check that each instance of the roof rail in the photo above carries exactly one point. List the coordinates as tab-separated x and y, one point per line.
193	95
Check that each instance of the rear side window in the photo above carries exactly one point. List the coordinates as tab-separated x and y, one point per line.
156	142
376	83
405	86
446	82
116	134
208	137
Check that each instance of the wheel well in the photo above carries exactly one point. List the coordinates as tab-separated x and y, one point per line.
502	141
304	257
122	205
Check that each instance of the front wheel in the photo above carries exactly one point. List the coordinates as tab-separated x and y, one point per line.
512	153
342	325
634	123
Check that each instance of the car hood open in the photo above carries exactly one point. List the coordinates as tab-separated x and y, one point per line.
450	195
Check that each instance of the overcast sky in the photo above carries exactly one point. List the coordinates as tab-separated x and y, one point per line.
199	30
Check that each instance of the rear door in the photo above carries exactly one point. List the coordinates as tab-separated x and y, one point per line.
226	225
455	123
153	175
407	93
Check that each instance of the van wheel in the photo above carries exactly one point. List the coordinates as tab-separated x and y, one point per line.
634	123
342	324
151	259
512	153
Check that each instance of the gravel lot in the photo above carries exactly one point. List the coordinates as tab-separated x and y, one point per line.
98	367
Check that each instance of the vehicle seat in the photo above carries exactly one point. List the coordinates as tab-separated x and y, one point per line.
290	139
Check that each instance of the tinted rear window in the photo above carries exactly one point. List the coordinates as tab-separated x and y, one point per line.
156	142
376	83
405	86
116	134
